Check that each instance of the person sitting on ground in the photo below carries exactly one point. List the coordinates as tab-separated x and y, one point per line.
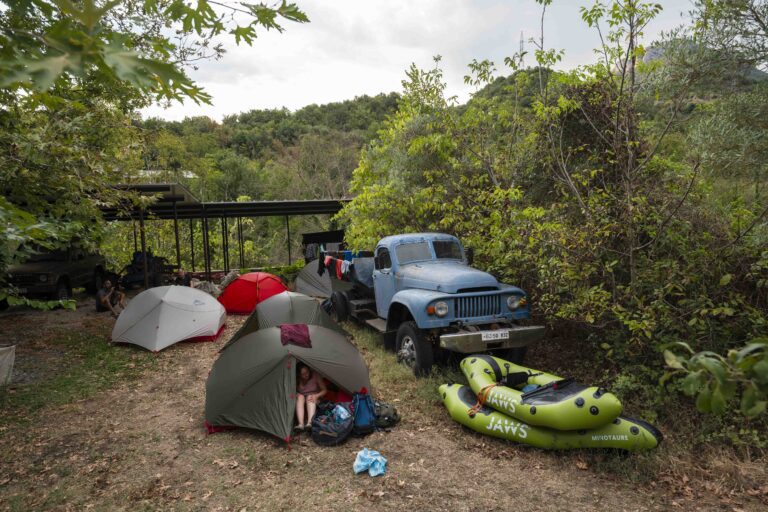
309	389
109	299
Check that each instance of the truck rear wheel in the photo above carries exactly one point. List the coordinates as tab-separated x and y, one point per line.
63	291
340	304
413	349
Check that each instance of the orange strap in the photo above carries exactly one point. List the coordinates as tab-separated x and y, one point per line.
482	396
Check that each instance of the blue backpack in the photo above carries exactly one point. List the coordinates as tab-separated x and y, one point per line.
365	414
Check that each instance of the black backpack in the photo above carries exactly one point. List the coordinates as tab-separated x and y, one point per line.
326	430
386	415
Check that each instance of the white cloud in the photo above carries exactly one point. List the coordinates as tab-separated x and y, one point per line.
351	48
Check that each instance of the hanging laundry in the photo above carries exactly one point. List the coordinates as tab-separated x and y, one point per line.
345	265
339	274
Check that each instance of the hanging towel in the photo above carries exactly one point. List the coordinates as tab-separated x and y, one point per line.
321	264
345	270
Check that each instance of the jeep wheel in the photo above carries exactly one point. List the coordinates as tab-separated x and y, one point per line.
413	349
62	291
340	309
3	304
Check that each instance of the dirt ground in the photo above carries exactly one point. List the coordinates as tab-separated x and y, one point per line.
142	446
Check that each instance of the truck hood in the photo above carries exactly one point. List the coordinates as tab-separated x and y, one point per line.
446	277
38	267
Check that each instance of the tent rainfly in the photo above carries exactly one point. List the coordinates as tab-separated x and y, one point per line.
285	308
253	382
242	294
159	317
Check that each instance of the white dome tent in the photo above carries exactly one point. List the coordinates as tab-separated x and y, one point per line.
159	317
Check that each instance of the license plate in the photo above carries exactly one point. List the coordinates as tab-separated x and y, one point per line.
495	335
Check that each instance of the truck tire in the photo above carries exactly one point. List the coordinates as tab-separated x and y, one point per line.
413	349
63	291
340	310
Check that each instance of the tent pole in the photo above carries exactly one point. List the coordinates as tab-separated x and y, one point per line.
192	242
143	249
240	241
288	233
176	231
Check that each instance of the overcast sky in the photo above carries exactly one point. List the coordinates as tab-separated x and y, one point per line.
356	47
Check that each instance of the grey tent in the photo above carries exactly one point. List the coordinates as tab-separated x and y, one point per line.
285	308
161	316
253	382
309	282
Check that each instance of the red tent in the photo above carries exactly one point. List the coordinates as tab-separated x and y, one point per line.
242	294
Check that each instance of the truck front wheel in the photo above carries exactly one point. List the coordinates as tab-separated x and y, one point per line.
413	349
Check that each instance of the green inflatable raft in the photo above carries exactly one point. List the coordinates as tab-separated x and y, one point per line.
621	433
557	403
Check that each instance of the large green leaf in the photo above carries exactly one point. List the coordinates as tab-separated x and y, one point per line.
717	400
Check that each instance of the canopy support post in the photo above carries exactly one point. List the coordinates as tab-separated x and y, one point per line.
143	249
192	241
288	238
225	244
240	241
176	232
206	249
135	237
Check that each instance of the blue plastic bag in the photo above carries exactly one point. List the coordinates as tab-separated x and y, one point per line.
370	460
340	413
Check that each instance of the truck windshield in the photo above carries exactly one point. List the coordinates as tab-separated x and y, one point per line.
447	249
408	253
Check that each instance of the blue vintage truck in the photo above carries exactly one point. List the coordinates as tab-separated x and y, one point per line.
420	292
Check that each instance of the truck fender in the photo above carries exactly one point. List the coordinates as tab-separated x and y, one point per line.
398	313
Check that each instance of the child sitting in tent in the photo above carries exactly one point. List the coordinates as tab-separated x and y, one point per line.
309	389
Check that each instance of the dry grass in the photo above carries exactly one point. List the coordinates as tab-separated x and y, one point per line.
139	444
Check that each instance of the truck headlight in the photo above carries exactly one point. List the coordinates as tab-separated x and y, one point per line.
43	277
515	301
441	308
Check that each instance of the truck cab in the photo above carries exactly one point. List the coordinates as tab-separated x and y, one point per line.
52	274
430	300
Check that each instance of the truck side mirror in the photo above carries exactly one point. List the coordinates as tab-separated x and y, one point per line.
470	252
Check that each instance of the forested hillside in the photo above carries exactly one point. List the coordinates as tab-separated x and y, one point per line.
255	155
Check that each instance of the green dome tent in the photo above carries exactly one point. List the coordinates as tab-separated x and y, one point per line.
285	308
253	383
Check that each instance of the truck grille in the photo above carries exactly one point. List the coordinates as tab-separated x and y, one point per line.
24	280
483	305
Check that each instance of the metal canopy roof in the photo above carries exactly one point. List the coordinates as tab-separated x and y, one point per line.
176	201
